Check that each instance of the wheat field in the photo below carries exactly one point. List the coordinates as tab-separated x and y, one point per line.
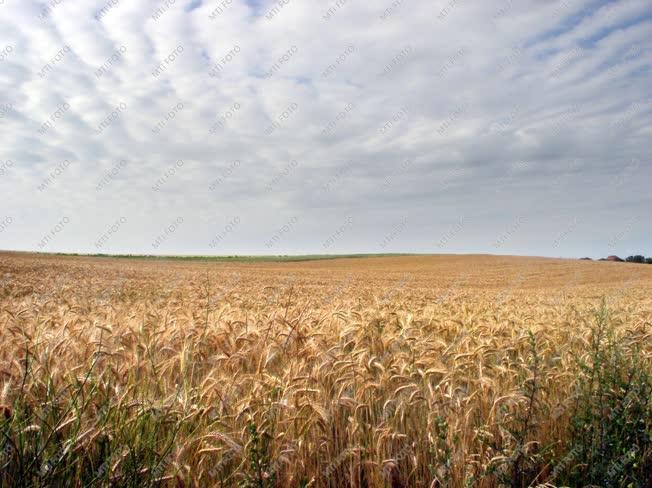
396	371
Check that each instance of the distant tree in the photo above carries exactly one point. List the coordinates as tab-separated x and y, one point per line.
648	260
635	259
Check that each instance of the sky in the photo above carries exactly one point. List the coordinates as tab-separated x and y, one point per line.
300	126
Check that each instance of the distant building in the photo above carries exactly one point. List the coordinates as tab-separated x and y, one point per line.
615	258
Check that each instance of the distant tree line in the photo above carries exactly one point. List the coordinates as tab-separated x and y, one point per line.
638	259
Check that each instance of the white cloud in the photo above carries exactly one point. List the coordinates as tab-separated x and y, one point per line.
505	111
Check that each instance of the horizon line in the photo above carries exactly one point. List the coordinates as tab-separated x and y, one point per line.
280	257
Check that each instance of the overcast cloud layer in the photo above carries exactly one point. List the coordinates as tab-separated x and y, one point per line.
296	126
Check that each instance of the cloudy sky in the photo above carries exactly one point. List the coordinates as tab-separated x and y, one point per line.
305	126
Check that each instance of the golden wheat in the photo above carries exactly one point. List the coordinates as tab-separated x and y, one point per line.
348	368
